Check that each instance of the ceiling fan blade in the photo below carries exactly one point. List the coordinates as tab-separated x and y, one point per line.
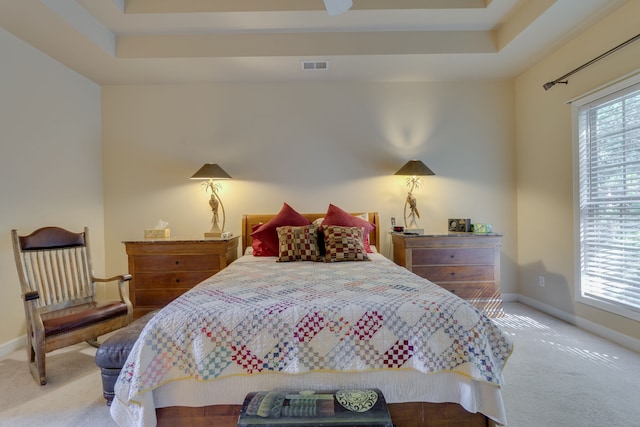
337	7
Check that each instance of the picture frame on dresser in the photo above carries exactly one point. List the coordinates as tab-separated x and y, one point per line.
459	225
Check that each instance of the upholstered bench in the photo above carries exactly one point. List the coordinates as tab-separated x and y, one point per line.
113	352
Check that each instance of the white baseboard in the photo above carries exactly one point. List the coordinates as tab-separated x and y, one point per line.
587	325
10	346
511	297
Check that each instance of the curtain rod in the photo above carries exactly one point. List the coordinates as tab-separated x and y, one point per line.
563	79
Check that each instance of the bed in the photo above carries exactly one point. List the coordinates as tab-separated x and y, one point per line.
264	325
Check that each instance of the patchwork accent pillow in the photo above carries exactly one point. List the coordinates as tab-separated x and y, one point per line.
337	216
267	233
298	243
344	244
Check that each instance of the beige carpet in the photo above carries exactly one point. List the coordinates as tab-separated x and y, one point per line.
560	375
71	397
557	376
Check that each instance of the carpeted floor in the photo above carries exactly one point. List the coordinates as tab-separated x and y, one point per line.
71	397
558	375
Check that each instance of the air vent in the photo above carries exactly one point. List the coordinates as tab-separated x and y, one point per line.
315	65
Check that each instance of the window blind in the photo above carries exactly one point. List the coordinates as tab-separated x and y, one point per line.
609	198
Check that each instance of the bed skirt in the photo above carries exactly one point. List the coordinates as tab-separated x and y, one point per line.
414	414
226	394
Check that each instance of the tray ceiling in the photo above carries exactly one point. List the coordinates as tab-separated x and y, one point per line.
189	41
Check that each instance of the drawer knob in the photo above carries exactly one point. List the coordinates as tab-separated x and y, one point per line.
177	262
453	274
453	256
177	280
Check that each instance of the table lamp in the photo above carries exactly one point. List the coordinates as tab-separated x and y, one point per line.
413	169
212	172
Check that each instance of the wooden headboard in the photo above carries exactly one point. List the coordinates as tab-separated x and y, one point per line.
249	220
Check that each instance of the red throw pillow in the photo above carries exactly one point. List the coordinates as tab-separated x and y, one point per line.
259	248
267	233
337	216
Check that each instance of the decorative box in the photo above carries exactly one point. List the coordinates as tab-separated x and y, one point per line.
481	228
335	408
157	234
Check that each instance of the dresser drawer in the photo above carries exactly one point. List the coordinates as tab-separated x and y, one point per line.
472	290
467	256
157	298
173	279
164	263
460	273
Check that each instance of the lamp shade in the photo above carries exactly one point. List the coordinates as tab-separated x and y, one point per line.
415	168
211	171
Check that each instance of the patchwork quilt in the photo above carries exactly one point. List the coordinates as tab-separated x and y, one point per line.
299	317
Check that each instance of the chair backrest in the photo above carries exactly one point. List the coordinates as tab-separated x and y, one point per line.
57	264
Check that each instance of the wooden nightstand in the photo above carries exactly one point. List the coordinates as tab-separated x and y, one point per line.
466	264
162	270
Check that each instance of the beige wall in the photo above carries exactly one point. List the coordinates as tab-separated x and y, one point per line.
50	162
544	159
308	145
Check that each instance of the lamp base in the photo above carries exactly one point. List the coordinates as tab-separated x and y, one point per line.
217	234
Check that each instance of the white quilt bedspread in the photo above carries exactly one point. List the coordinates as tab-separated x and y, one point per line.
302	325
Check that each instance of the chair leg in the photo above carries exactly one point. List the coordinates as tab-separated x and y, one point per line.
36	365
93	342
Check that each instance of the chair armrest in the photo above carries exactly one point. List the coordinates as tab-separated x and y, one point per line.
30	296
121	278
34	321
124	296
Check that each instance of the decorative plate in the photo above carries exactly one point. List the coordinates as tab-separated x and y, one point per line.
357	400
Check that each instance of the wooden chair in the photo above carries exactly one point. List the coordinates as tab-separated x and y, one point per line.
59	293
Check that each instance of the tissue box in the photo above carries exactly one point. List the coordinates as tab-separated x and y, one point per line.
481	228
157	234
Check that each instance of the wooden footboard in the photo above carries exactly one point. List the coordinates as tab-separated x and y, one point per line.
402	414
435	415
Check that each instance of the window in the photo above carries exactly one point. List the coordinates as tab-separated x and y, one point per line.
608	190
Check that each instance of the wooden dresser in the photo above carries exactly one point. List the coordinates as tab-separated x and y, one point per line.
162	270
466	264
